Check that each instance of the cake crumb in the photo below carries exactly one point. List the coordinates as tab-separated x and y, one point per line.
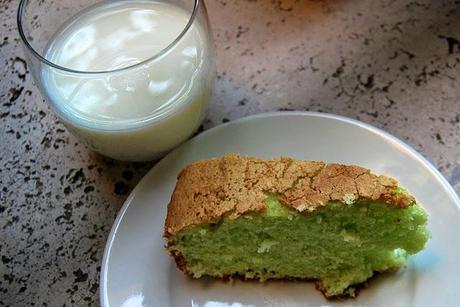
349	199
266	245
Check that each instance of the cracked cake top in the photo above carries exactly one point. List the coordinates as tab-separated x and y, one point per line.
234	185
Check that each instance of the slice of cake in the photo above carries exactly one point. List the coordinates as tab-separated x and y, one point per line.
290	219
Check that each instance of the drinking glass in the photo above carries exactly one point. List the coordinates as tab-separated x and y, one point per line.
163	99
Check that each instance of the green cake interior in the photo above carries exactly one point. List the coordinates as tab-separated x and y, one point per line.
339	245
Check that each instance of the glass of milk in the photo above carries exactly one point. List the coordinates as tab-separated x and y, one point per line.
131	78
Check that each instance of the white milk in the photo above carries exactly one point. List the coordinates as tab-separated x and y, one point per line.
140	112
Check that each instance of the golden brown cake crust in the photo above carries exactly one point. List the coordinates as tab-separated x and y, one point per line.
234	185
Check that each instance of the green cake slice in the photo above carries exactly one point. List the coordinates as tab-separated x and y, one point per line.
291	219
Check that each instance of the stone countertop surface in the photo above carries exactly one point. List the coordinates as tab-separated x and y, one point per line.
393	64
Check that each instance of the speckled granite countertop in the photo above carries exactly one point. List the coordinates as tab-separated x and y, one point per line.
393	64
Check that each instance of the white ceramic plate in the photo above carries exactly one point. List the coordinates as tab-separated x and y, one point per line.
137	271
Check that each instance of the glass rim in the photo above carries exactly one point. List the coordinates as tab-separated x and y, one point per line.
42	59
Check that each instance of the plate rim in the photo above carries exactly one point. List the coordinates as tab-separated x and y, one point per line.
103	296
